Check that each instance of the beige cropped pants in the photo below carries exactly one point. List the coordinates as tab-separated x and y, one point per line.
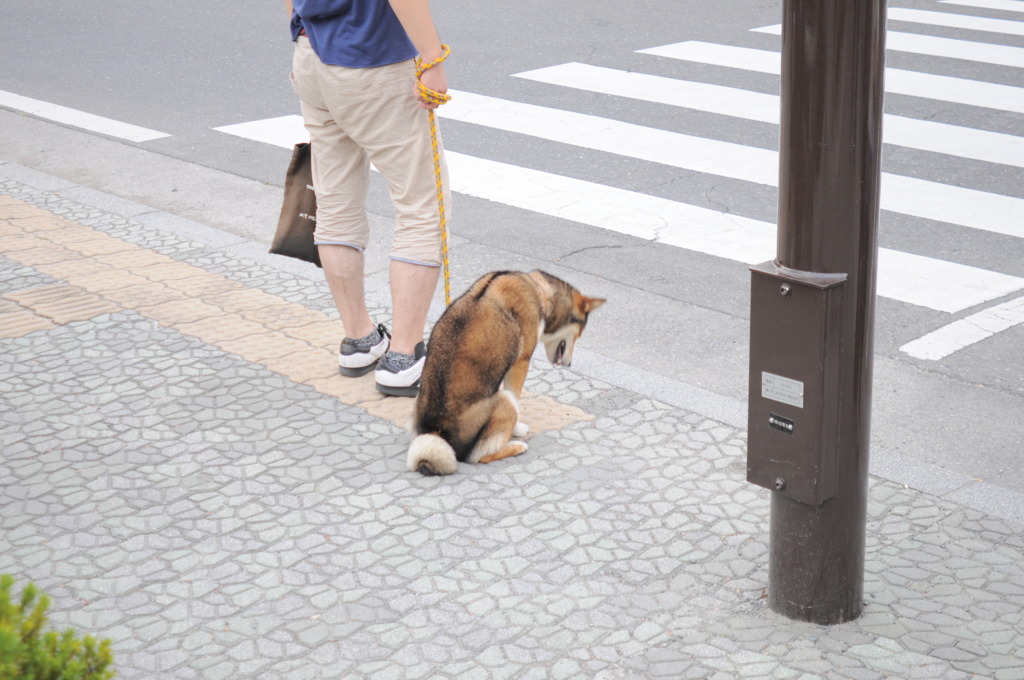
359	116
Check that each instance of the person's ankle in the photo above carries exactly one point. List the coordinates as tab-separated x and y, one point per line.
360	330
401	348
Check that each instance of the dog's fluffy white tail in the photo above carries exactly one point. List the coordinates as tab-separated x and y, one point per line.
431	455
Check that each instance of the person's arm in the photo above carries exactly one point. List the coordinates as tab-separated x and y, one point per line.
288	4
415	18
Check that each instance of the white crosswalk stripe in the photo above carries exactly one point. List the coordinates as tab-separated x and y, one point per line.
967	331
78	119
935	284
950	20
897	81
1001	5
954	140
907	195
968	50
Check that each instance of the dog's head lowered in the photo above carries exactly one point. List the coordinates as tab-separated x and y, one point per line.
565	316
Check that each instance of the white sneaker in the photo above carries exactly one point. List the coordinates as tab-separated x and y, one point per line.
354	361
401	382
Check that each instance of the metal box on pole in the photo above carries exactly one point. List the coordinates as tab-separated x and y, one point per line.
794	381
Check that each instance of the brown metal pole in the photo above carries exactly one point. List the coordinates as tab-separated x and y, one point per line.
833	54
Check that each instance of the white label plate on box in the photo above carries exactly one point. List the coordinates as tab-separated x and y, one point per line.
784	390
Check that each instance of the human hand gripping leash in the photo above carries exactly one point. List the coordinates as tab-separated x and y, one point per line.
438	98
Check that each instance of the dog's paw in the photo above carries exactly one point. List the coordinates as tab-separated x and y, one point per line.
510	449
520	430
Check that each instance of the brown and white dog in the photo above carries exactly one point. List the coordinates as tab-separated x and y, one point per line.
478	355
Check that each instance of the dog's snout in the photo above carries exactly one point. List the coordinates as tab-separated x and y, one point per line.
560	354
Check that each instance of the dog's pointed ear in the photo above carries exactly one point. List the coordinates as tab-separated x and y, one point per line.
590	304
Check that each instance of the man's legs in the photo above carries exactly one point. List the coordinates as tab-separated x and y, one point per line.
343	269
376	111
407	163
412	289
341	175
399	145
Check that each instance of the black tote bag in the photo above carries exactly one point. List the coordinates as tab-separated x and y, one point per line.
294	235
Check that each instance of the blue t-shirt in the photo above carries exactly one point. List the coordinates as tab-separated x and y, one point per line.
352	33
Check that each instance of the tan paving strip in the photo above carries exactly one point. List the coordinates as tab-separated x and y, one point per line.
16	321
62	303
104	273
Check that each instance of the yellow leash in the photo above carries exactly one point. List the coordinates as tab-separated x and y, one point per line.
438	98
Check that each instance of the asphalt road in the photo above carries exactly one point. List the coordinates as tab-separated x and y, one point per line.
676	310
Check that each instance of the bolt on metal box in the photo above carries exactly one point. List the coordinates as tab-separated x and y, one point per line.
795	345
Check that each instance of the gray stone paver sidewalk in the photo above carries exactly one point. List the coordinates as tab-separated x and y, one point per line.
220	521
